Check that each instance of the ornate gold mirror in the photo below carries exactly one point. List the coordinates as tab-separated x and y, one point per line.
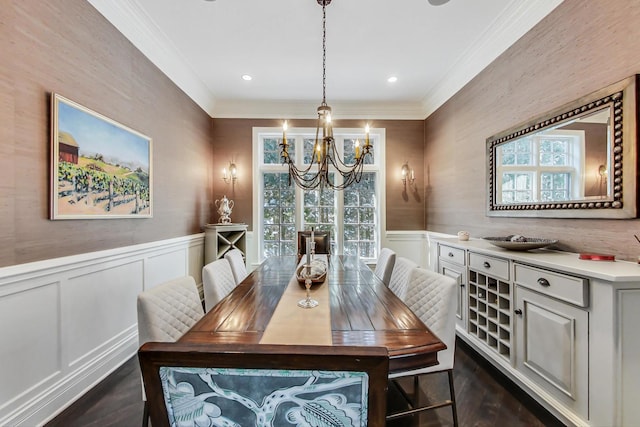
578	161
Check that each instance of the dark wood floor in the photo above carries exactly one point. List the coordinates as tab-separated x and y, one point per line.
484	398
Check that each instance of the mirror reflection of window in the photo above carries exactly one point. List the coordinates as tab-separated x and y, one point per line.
559	164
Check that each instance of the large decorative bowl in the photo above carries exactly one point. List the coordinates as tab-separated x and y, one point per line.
520	243
318	272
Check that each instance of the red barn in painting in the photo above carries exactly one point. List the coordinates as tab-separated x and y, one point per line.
67	148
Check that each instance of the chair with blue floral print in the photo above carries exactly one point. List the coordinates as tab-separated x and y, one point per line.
264	384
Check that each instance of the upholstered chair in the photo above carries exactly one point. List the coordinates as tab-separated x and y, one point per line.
384	265
431	296
399	280
322	239
217	282
238	267
165	313
264	384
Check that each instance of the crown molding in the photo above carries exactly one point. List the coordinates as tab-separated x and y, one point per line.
251	109
520	17
131	20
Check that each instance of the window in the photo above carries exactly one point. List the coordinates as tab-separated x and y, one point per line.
542	167
352	216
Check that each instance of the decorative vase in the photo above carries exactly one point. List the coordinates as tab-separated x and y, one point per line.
225	207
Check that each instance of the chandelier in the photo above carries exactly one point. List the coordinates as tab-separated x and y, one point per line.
325	155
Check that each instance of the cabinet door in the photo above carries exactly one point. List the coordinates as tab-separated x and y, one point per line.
552	347
459	274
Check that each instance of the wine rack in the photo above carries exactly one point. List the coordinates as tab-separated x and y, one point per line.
489	313
220	239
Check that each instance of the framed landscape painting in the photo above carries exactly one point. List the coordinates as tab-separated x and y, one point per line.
99	167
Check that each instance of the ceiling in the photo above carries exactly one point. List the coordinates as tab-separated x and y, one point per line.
206	46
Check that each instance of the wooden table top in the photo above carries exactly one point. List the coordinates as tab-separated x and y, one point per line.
364	312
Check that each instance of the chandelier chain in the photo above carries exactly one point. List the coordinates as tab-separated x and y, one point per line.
324	55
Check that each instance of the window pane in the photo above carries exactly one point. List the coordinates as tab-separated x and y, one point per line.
319	211
555	186
517	187
271	150
359	217
278	215
281	211
308	150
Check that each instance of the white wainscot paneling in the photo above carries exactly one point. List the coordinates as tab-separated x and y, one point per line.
408	244
66	323
30	341
89	302
159	267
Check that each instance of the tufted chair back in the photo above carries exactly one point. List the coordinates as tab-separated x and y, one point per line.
384	265
432	297
217	282
167	311
238	267
399	281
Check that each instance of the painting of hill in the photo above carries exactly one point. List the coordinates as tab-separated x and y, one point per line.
101	169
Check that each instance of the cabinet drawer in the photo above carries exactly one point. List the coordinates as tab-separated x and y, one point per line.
495	267
451	254
562	286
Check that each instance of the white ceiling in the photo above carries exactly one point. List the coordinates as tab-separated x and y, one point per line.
206	46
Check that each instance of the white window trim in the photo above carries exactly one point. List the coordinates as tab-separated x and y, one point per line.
576	169
377	134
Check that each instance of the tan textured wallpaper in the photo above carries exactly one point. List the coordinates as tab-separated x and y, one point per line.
581	47
66	46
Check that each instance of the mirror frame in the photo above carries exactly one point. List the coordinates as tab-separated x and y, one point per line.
621	202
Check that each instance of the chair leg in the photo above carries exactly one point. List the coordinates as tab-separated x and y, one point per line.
454	409
145	415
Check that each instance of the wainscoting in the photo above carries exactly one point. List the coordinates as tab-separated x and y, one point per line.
66	323
415	245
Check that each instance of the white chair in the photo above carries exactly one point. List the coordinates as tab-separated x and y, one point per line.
165	313
384	265
400	274
236	260
431	296
217	282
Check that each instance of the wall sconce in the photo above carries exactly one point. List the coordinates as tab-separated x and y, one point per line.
602	171
231	174
407	175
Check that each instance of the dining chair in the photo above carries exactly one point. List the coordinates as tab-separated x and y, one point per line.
431	296
264	384
384	265
165	313
399	280
238	267
217	282
322	239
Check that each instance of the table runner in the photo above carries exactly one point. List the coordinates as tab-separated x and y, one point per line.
293	325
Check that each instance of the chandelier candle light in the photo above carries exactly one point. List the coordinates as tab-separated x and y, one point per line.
325	153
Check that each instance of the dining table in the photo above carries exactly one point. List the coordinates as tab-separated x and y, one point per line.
355	308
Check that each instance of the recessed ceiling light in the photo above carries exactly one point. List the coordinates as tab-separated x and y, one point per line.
246	77
392	79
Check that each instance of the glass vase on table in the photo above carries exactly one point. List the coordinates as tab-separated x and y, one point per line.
307	302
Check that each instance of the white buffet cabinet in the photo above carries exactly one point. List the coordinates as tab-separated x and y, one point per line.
566	330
